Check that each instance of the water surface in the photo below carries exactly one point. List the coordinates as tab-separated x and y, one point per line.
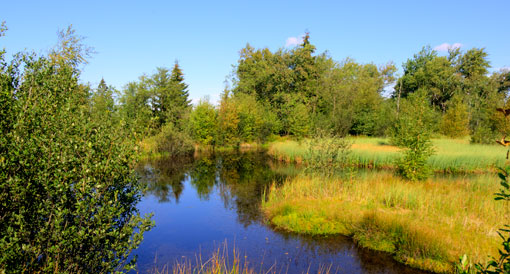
200	204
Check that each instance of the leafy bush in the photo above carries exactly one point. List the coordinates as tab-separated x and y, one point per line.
172	141
412	132
203	123
327	154
68	191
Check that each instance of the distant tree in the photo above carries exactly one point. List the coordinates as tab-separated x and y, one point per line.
294	116
455	122
411	81
203	123
474	63
103	105
228	121
432	73
156	100
178	104
135	109
256	120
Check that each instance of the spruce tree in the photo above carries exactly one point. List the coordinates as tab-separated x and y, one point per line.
178	104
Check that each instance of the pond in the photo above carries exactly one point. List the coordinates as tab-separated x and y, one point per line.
208	202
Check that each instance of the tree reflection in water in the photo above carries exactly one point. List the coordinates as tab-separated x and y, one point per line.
237	182
241	178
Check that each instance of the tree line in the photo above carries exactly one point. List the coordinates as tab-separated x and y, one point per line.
297	92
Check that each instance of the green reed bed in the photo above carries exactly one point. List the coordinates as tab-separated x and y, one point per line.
451	155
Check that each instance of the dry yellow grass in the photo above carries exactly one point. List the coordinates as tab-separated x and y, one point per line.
427	225
451	155
374	147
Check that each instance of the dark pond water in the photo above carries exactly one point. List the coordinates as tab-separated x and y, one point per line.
200	204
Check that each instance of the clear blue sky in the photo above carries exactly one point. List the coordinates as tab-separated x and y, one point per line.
134	37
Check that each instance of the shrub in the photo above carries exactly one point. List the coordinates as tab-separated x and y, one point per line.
173	142
412	132
68	191
204	123
327	154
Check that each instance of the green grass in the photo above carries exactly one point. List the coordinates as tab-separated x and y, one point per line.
451	155
427	225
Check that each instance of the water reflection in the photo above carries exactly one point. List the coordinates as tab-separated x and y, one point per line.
202	201
241	179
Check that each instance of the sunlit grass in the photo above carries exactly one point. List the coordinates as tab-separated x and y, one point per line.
424	224
220	261
451	155
224	261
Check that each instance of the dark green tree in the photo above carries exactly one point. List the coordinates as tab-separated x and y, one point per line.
177	105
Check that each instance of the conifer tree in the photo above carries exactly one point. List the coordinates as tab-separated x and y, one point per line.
179	103
102	101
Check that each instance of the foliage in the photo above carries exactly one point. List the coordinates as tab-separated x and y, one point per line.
102	103
228	122
156	100
455	121
327	155
203	123
412	132
257	122
294	116
173	142
68	191
309	91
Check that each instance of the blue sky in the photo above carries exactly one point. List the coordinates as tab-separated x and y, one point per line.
134	37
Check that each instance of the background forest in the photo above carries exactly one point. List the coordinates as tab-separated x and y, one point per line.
297	92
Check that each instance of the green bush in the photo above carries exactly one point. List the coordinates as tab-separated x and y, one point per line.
173	142
68	191
412	132
326	154
204	123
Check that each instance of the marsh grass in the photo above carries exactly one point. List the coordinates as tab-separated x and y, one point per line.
451	155
221	261
427	225
225	261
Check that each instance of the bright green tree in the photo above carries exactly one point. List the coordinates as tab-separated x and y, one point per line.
203	123
412	132
102	103
455	122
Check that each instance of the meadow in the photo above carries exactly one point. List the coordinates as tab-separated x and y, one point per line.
427	225
451	155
